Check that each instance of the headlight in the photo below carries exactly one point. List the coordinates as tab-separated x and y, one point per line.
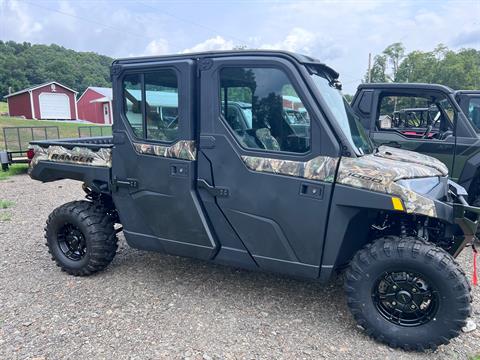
421	185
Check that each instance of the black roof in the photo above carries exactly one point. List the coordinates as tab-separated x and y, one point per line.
467	92
402	86
303	59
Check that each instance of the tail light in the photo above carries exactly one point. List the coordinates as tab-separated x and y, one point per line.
30	154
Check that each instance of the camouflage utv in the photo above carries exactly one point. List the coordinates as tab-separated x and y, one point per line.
242	173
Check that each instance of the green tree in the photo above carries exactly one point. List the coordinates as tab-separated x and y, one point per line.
24	64
394	53
378	72
456	69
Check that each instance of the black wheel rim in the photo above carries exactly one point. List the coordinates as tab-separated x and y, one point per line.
72	242
405	298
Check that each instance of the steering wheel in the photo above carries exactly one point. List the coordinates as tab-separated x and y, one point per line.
425	134
172	123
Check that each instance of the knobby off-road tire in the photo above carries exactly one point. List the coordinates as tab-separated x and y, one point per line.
81	237
418	270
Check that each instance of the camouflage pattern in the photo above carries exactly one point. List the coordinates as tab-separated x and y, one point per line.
319	168
268	141
411	157
77	155
183	149
378	172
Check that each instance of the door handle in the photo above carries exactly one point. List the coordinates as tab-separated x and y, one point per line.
312	190
213	190
128	183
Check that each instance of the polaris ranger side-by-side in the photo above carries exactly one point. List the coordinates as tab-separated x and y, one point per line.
238	171
428	118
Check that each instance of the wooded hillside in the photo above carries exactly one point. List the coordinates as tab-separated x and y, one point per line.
23	65
457	69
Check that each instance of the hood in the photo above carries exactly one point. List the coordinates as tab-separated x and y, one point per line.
410	157
380	171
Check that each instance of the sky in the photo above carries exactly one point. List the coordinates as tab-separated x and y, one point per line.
339	33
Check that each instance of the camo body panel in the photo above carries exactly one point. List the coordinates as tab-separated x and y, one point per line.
77	155
377	173
411	157
183	149
321	168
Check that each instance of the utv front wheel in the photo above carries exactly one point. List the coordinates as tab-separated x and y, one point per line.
407	293
81	237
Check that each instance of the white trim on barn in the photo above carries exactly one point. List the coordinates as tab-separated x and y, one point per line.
31	105
76	106
30	89
111	112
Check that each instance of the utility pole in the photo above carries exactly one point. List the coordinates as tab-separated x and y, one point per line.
369	67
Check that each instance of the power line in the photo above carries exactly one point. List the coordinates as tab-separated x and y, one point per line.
212	30
103	26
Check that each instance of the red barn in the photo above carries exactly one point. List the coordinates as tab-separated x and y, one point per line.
51	100
95	105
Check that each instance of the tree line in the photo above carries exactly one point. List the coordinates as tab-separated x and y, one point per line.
24	64
456	69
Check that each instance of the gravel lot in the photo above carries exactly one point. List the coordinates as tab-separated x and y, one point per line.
149	305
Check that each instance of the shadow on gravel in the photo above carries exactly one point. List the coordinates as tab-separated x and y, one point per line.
277	294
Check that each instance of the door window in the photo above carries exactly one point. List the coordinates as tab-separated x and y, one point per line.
416	116
151	104
132	96
262	108
474	112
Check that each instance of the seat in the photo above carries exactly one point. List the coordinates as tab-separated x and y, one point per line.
267	140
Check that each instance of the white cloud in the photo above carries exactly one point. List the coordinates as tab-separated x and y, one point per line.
18	17
215	43
307	42
297	40
157	47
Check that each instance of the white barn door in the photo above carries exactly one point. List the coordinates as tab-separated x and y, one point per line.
54	106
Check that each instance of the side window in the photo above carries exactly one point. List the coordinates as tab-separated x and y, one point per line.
161	92
413	115
132	92
263	110
156	116
474	112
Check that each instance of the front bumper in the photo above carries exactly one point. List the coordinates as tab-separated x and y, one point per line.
466	217
459	212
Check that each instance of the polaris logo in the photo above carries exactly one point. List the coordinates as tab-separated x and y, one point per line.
365	177
74	158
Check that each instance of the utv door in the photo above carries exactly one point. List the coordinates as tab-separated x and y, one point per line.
416	122
260	137
154	158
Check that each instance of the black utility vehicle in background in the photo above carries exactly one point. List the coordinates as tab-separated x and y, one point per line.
261	164
430	119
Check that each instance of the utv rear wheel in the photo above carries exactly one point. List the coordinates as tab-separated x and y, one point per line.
407	293
81	237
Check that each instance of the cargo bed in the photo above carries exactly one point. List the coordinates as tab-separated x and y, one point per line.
86	159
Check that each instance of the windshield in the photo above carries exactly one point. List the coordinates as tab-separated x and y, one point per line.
344	115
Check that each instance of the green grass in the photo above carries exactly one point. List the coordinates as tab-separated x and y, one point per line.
5	216
5	204
3	107
14	169
66	130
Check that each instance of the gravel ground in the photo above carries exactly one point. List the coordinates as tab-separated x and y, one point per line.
149	305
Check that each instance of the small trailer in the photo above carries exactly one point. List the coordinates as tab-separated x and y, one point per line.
16	143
